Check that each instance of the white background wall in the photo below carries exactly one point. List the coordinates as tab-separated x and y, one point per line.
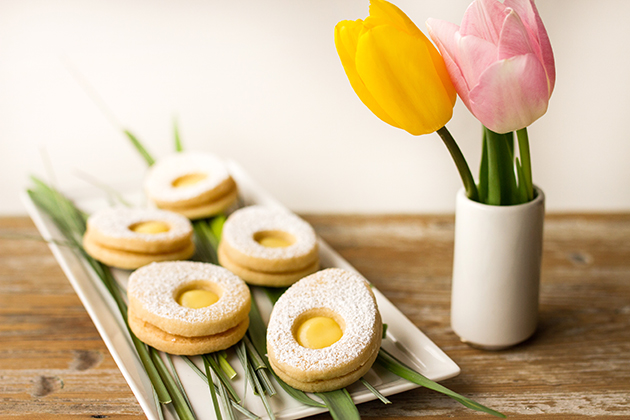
260	82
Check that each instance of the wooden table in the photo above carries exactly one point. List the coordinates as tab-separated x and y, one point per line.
53	364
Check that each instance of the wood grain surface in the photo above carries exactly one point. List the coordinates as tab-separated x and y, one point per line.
54	365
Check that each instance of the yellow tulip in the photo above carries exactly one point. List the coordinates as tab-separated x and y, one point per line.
395	70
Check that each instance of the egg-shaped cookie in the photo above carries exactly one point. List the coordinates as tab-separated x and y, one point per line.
268	247
195	185
188	308
132	237
325	331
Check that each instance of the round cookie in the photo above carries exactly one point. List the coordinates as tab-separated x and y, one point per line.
158	317
337	294
131	237
268	247
196	185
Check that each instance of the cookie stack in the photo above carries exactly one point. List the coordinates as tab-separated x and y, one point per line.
325	331
130	238
187	308
268	247
195	185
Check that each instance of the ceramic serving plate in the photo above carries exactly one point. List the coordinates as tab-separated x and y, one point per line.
404	339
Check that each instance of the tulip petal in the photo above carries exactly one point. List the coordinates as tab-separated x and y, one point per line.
528	13
385	13
445	35
346	38
399	72
475	56
484	19
514	38
511	94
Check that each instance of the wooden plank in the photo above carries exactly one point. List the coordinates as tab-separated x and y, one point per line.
54	365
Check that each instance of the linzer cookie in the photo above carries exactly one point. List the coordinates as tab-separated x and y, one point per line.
268	247
195	185
130	238
325	331
187	308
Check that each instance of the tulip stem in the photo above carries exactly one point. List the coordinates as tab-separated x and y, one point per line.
523	149
460	162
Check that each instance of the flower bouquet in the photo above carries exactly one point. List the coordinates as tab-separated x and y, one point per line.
500	63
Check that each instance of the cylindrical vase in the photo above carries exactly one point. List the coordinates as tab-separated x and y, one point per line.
496	271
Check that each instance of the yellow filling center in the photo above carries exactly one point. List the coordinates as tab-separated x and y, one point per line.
318	332
274	239
188	180
197	298
150	227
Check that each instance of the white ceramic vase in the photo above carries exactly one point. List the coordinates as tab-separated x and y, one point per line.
496	271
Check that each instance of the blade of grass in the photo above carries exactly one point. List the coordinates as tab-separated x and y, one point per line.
225	365
179	382
223	393
178	141
375	391
261	393
179	402
214	364
392	364
213	392
340	404
140	148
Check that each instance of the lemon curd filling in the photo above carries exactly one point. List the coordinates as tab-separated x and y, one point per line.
318	332
150	227
197	298
274	239
188	180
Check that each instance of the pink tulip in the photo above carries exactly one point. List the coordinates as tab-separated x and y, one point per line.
500	61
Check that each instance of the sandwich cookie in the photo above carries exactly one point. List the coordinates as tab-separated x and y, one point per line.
325	331
130	238
187	308
268	247
195	185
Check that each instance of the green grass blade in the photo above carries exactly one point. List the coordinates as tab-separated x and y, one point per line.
179	402
214	364
179	382
375	391
178	141
223	392
261	392
340	404
140	148
216	226
225	365
274	293
392	364
213	391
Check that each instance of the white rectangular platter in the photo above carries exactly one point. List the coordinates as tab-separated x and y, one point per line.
404	339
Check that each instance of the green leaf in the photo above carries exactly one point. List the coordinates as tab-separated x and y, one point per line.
274	293
523	150
483	170
502	188
179	382
216	226
340	404
392	364
522	183
140	148
225	365
214	364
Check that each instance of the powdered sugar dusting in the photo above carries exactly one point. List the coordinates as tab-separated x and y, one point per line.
156	284
159	180
115	221
240	227
338	290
